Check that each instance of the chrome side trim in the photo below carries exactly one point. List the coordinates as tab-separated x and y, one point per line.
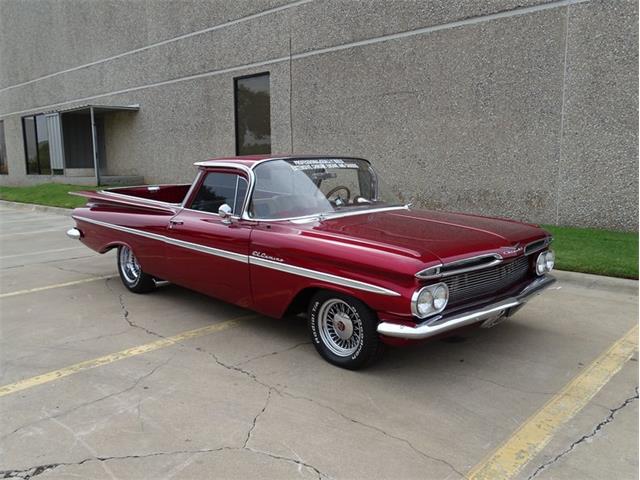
130	200
444	323
304	272
436	270
171	241
143	186
139	200
325	277
74	234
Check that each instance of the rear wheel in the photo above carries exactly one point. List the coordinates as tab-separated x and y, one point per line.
343	330
131	273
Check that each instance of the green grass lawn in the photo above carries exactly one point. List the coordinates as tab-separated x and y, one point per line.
52	194
587	250
601	252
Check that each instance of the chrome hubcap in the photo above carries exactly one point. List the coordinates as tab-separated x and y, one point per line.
129	265
340	327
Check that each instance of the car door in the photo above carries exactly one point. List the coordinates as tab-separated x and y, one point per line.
206	252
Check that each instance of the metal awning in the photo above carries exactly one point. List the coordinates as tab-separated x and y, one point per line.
92	110
86	109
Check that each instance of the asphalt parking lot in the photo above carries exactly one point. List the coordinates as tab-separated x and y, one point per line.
97	382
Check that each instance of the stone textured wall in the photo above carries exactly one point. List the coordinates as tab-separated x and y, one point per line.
523	109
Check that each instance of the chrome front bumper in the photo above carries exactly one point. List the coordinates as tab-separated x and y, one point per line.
443	323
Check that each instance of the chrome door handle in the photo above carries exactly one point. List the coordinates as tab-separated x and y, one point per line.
173	223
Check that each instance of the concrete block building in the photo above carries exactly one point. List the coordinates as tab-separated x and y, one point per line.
520	108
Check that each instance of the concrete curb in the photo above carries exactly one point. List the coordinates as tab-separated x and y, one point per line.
586	280
32	207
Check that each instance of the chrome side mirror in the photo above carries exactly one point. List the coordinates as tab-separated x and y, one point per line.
225	213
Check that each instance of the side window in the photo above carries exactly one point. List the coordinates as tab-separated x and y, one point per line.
218	189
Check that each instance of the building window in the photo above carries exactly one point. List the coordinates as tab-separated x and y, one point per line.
253	114
36	144
3	151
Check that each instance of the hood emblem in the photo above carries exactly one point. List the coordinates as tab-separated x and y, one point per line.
513	250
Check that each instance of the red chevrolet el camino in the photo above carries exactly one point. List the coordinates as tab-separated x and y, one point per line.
321	234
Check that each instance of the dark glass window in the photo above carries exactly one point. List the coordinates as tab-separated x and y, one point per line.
3	151
42	134
253	114
36	144
220	188
30	149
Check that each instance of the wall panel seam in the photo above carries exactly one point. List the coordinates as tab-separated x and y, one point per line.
321	51
213	28
562	113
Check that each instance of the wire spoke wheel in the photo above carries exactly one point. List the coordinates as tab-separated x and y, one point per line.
340	327
129	266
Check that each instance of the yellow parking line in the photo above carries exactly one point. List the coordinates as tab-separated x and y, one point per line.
114	357
535	433
57	285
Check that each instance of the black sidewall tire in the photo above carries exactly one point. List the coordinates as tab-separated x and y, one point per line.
143	284
370	347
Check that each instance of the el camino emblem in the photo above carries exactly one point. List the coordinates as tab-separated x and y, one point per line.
255	253
512	250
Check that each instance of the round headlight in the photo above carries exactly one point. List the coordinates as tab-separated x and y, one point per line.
430	300
550	261
440	297
424	303
541	263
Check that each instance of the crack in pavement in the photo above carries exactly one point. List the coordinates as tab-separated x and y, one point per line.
92	402
255	419
290	460
31	472
270	388
377	429
235	368
125	312
584	438
276	352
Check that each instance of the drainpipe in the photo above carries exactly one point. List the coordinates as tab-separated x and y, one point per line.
94	142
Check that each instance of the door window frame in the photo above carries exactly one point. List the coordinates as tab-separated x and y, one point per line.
199	180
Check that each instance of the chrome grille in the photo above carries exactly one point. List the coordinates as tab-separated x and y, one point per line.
465	286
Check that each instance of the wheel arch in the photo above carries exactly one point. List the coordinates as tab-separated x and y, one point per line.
301	299
115	244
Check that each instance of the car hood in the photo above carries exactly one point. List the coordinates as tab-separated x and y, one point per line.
431	236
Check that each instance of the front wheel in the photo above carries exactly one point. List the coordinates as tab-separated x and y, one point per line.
343	330
131	273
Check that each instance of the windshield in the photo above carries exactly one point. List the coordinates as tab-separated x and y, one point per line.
313	186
